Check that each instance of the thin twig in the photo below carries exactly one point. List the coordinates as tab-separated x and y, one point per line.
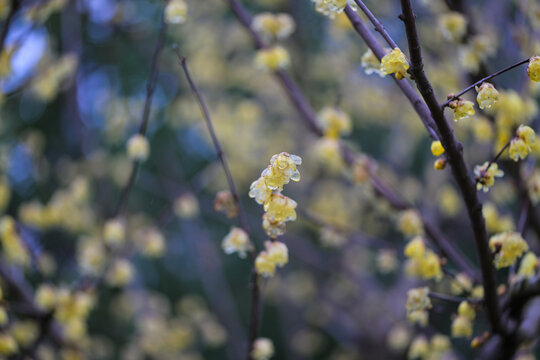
254	317
495	74
495	158
150	88
378	25
459	168
217	145
450	298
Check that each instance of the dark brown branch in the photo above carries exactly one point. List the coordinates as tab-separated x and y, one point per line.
413	97
459	169
449	298
495	74
150	88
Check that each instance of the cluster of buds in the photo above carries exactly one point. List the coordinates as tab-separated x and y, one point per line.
278	208
437	150
462	324
422	262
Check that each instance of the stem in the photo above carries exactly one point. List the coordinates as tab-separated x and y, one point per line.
150	88
499	154
378	25
219	149
459	169
413	97
449	298
495	74
254	318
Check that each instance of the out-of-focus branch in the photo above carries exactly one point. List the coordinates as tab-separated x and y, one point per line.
459	168
14	7
495	74
413	97
254	318
378	25
150	88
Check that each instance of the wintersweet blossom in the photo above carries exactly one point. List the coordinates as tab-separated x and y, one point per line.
274	26
463	109
263	349
176	12
507	248
436	148
395	62
522	144
486	177
237	240
487	95
138	148
274	58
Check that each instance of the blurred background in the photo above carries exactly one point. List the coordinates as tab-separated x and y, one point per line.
74	78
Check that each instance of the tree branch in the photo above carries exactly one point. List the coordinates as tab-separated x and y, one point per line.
495	74
459	169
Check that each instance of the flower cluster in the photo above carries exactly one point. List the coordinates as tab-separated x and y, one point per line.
334	123
410	223
507	248
422	262
274	26
275	255
487	95
522	144
485	177
273	58
462	324
278	208
439	347
418	304
395	62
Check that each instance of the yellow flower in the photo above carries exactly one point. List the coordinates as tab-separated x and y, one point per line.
410	223
529	265
45	297
486	177
534	68
237	240
186	206
463	109
280	208
440	164
8	345
507	247
277	252
533	186
138	148
418	299
465	309
121	273
371	64
419	348
395	62
487	95
273	229
259	191
263	349
462	327
151	242
416	248
278	26
281	170
274	58
264	265
331	8
437	148
523	143
176	12
114	232
453	25
25	332
334	122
